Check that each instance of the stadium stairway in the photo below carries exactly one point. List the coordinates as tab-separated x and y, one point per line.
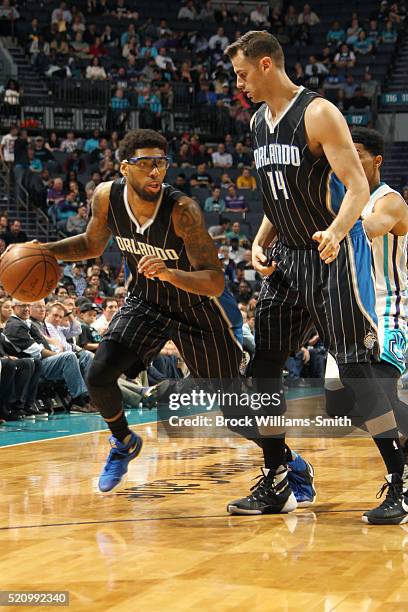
34	88
395	167
34	222
399	79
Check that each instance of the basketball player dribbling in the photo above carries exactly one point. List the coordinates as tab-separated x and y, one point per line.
176	275
314	190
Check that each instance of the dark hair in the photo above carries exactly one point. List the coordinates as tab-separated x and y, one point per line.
107	300
370	139
141	139
256	44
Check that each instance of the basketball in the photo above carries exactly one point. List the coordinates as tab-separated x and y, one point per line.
29	272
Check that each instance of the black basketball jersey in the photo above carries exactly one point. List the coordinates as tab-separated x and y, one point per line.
156	237
301	193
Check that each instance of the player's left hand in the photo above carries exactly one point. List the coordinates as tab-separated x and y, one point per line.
329	245
153	267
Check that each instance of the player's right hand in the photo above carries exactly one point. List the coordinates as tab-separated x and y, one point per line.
259	261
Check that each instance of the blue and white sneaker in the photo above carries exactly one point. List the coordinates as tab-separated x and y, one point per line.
300	478
114	472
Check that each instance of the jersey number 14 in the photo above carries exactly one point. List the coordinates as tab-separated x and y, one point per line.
278	182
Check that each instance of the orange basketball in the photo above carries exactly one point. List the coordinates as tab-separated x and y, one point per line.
29	272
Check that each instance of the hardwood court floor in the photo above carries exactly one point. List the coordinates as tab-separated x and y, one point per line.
166	542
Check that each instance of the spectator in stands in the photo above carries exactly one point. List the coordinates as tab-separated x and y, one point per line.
7	145
359	101
121	11
235	232
244	292
27	330
345	58
188	12
130	49
349	87
363	46
215	203
373	33
225	181
77	224
61	16
218	232
78	24
79	278
60	44
291	21
237	252
207	12
109	38
221	159
147	50
308	17
246	180
240	156
228	264
55	194
369	85
70	143
15	234
6	310
182	184
327	57
150	107
206	97
298	75
333	82
164	61
218	39
89	338
35	164
95	71
353	32
235	202
389	34
79	46
62	327
201	178
52	143
21	162
109	309
94	283
320	68
336	35
9	14
4	225
119	102
258	17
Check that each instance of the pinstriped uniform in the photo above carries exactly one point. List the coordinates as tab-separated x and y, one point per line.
155	311
302	195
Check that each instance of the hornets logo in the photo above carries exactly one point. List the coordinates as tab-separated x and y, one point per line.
397	344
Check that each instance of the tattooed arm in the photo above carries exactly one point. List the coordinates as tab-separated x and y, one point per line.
93	242
208	277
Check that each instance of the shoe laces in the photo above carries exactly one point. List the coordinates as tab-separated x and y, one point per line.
262	486
394	492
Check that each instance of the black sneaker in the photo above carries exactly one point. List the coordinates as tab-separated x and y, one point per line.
38	414
270	495
394	508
